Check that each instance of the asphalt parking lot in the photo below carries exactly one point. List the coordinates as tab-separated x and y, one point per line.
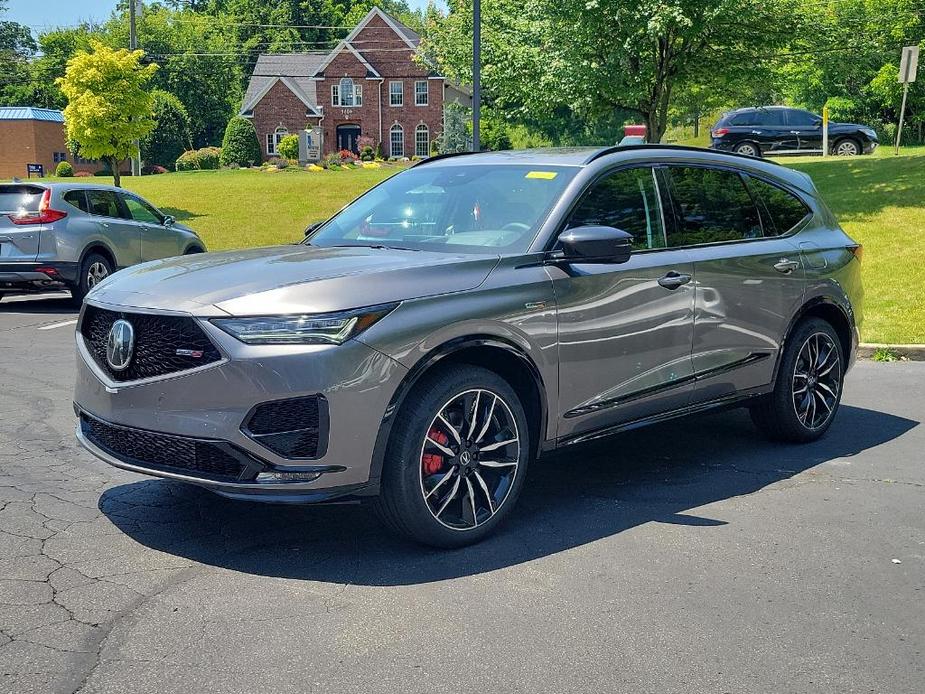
688	557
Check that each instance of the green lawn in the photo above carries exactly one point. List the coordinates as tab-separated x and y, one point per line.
880	201
248	207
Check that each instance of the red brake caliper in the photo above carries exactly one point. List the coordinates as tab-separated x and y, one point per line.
432	462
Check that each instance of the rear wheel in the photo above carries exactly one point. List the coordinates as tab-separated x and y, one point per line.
749	149
93	270
456	458
808	389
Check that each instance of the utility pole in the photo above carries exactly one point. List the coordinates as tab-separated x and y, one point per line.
476	71
133	44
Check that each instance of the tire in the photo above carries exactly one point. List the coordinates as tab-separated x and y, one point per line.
749	149
94	269
193	250
431	490
787	415
846	148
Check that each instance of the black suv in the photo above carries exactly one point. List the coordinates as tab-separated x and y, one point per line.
782	130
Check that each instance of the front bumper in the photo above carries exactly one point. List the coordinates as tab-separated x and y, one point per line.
30	275
212	403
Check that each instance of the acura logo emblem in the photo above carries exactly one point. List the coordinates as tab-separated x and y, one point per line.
120	345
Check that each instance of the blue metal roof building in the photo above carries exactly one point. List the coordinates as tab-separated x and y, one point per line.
31	113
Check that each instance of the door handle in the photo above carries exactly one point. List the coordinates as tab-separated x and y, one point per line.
673	280
105	225
786	265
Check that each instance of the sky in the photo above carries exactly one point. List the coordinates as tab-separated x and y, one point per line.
44	13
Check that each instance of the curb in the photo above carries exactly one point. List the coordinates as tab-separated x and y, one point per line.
911	352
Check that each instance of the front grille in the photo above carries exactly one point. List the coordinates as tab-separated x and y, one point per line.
157	340
293	428
211	460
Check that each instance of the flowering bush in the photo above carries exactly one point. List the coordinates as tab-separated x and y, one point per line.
347	156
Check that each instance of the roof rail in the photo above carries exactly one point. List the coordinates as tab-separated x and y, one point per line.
683	148
438	157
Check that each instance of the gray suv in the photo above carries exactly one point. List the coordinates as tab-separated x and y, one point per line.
423	346
72	235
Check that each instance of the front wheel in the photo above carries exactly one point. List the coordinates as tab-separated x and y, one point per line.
808	388
847	148
456	459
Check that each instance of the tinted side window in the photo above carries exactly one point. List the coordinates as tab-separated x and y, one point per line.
103	203
784	209
77	199
624	200
801	118
772	116
747	118
141	211
710	205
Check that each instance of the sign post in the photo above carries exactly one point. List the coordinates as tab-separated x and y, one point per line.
908	65
825	131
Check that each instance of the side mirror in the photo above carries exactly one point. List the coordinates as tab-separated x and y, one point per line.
314	225
169	220
595	244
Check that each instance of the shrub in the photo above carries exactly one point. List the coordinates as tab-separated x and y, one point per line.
171	135
154	169
347	156
64	170
83	174
240	145
193	160
188	161
278	163
209	157
314	167
289	147
367	153
364	141
331	160
379	153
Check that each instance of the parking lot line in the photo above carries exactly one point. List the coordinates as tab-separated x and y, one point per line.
59	325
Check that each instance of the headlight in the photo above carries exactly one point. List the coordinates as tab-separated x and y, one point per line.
870	132
305	329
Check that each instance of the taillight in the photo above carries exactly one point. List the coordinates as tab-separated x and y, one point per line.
719	132
44	215
857	251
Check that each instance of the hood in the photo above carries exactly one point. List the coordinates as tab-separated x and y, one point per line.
291	279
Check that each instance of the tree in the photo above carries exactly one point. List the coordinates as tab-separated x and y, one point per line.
594	58
197	59
240	145
171	134
108	108
16	48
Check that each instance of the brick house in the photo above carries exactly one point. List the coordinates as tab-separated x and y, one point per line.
35	136
368	86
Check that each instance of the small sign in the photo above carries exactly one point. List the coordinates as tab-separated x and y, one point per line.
312	153
908	64
36	169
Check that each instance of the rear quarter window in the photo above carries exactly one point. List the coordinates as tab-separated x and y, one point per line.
784	209
76	198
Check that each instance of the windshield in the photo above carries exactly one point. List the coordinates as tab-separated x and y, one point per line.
458	209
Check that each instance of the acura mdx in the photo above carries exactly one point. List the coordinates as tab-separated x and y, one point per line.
424	345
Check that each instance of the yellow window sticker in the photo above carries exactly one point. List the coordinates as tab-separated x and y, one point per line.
546	175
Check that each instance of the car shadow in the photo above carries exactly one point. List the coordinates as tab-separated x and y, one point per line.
58	303
178	214
660	474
